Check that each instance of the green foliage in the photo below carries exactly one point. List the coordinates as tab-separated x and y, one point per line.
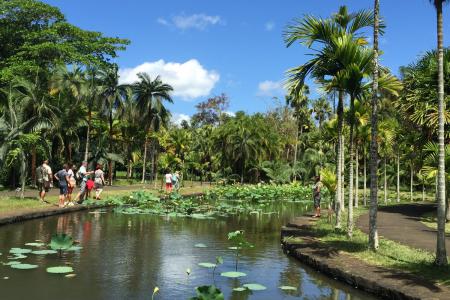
208	292
237	239
61	242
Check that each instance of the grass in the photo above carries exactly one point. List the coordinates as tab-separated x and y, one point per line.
429	219
9	204
390	254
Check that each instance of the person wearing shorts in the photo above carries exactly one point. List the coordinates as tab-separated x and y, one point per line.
83	174
168	178
316	196
71	184
44	178
99	181
63	179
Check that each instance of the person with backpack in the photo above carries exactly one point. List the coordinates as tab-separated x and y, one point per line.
63	178
82	175
44	179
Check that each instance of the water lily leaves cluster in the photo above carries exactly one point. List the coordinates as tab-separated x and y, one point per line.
208	292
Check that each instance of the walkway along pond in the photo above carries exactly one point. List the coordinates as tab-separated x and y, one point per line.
126	255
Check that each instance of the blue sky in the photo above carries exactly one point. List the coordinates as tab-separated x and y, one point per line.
206	47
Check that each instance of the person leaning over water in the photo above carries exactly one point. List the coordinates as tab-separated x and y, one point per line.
316	196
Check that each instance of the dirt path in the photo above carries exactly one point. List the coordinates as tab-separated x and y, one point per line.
401	223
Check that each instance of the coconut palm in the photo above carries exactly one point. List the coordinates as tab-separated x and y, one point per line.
150	96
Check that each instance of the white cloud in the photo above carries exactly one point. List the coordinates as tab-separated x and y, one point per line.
270	26
190	79
196	21
177	118
270	88
230	113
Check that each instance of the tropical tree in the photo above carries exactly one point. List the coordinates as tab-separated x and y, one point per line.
150	96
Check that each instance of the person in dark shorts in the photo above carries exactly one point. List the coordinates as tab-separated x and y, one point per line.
44	179
316	196
63	179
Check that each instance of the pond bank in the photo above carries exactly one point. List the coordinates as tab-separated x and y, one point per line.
301	242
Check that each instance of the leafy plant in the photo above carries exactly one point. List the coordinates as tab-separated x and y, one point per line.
208	292
239	242
61	242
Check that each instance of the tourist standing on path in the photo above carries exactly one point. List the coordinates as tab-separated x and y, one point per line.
168	178
176	181
71	184
83	175
63	179
316	196
44	179
99	181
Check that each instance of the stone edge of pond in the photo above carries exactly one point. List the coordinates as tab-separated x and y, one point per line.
46	212
10	218
379	281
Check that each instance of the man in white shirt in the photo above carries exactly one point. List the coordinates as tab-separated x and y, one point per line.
83	175
44	178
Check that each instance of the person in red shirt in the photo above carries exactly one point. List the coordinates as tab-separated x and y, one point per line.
89	186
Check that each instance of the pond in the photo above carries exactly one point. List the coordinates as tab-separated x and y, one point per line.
125	256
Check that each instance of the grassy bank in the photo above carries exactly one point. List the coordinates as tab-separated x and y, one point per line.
390	254
11	204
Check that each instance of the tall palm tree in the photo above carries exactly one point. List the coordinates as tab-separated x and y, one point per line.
441	252
373	232
322	110
150	96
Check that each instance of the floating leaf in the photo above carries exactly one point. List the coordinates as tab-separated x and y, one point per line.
23	266
60	270
44	252
74	248
35	244
6	277
18	256
200	245
233	274
19	251
70	275
255	286
288	288
207	265
239	289
10	263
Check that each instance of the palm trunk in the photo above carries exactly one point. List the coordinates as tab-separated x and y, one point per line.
340	116
423	190
365	176
350	169
411	183
110	163
385	181
144	160
88	135
33	165
398	176
343	173
129	169
441	252
295	153
357	177
373	210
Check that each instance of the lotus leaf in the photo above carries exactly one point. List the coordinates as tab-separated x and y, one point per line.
255	286
18	256
239	289
207	265
13	262
19	251
70	275
233	274
44	252
61	242
200	245
35	244
60	270
74	248
23	266
208	292
288	288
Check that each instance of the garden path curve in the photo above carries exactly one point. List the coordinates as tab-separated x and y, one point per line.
401	223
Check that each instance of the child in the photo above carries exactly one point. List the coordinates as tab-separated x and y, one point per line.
89	186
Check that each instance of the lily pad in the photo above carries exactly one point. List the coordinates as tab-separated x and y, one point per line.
207	265
13	262
255	286
35	244
233	274
44	252
239	289
24	266
19	251
18	256
60	270
70	275
288	288
74	248
200	245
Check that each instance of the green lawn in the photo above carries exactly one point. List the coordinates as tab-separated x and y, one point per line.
390	254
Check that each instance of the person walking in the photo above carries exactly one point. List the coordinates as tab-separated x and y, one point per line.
176	181
71	184
63	180
82	174
99	181
168	178
44	178
316	196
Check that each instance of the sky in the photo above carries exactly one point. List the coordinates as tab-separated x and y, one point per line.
208	47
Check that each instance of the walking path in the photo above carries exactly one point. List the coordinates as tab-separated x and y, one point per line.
401	223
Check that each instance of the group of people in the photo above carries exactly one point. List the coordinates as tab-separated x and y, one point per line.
67	181
172	181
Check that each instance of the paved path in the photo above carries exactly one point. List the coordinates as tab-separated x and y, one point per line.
401	223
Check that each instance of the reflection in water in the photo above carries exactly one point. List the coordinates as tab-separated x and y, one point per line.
126	256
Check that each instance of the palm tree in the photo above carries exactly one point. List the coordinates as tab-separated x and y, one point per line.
441	252
373	232
322	110
149	95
